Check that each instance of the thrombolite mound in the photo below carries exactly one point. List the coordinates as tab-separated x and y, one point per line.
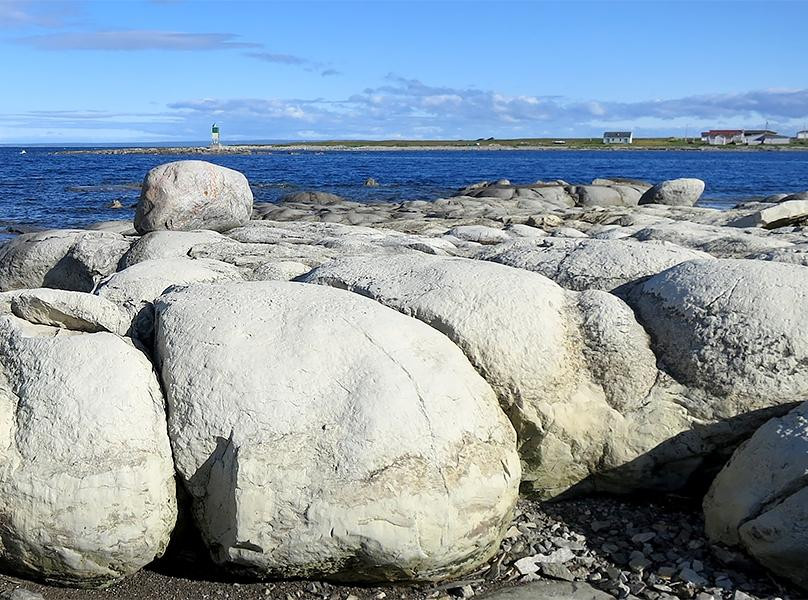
69	259
675	192
320	433
193	194
583	264
87	492
737	329
760	499
573	371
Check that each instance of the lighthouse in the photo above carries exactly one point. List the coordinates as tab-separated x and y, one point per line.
214	136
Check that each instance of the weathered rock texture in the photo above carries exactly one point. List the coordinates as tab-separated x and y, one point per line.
675	192
193	194
322	434
760	499
590	264
87	492
68	259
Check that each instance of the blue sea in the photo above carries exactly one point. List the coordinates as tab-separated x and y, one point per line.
42	188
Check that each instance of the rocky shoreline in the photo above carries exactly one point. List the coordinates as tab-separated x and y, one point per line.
328	399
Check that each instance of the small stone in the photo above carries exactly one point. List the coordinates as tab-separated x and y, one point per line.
690	576
526	565
665	572
638	562
600	525
21	594
556	571
641	538
512	533
370	182
704	596
739	595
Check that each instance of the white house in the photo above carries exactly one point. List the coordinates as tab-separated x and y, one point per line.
722	137
618	137
802	135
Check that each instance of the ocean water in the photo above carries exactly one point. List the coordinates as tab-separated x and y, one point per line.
42	188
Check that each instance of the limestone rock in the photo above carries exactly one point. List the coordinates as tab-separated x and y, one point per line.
602	195
590	263
480	234
87	490
167	244
572	371
721	242
735	328
322	434
675	192
134	289
69	259
312	198
77	311
193	194
760	499
785	213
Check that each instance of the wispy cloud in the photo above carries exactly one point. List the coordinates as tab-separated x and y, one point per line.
283	59
27	13
324	69
135	39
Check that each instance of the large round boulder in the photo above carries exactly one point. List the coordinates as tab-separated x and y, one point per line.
322	434
759	501
573	371
87	491
69	259
737	329
193	194
675	192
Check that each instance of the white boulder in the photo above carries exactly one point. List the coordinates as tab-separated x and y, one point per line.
759	501
87	492
735	328
77	311
69	259
675	192
193	194
135	288
322	434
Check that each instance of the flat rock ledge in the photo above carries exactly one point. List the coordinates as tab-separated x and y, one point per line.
328	399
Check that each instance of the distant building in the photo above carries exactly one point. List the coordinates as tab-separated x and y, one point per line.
214	136
618	137
774	140
802	135
755	136
722	137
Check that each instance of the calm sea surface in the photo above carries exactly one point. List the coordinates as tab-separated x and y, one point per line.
45	189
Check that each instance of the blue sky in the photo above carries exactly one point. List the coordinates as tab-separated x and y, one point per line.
159	71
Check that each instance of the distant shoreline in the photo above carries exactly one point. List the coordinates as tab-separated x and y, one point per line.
441	145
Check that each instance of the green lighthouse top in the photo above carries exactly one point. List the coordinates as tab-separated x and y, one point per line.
215	128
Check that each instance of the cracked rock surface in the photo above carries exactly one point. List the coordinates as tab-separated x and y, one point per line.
320	433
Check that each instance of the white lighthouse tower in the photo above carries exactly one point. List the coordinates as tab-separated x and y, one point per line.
214	137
